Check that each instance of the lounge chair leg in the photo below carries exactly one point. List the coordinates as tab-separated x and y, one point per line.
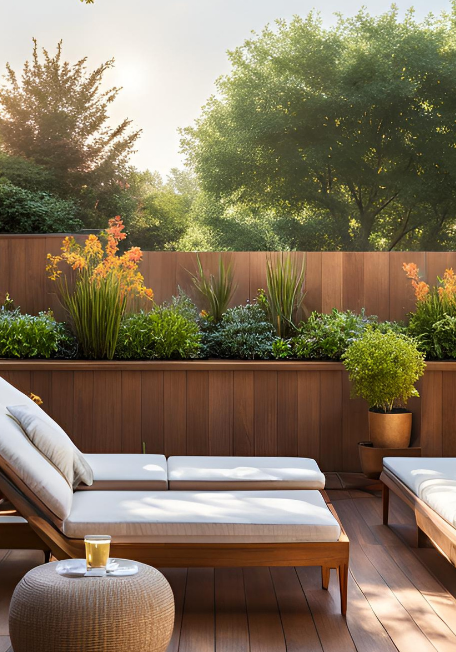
325	574
343	584
47	556
385	502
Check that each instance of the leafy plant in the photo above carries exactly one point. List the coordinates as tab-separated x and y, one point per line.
327	336
166	332
33	211
282	349
384	368
285	296
216	291
28	336
435	313
104	284
243	332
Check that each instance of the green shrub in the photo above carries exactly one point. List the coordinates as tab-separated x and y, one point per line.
244	332
29	211
166	332
327	336
384	368
431	326
28	336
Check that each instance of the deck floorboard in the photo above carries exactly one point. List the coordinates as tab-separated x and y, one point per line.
401	598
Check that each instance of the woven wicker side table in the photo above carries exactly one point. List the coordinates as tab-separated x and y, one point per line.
51	613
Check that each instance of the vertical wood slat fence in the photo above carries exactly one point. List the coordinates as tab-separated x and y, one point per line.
344	280
209	408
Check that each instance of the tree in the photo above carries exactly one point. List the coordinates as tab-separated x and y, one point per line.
163	208
347	131
56	116
28	211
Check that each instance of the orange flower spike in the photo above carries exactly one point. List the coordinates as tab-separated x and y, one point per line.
93	248
412	271
421	291
134	254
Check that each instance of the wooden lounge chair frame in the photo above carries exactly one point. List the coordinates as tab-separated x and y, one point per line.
430	524
327	555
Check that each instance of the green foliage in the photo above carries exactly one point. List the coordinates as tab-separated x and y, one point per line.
167	332
384	368
56	116
216	291
27	211
345	134
431	325
96	311
27	336
285	297
161	217
243	332
327	336
25	174
282	349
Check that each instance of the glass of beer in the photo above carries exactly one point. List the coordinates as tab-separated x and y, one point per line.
97	551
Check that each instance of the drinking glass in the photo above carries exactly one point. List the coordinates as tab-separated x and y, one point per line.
97	550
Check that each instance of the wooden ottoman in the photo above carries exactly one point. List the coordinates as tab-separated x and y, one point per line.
51	613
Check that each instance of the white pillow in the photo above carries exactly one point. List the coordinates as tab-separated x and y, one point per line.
33	468
59	450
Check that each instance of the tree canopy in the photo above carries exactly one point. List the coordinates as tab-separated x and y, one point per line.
55	115
346	134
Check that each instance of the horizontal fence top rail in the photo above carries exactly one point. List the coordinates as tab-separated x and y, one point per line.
187	365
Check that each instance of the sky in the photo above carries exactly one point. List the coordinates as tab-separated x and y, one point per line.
168	52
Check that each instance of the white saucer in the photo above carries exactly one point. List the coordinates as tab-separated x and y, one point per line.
78	568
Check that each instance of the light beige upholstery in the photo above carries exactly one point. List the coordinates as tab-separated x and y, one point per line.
40	477
433	479
173	516
127	472
11	396
192	473
48	441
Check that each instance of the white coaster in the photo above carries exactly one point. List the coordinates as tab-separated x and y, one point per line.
115	568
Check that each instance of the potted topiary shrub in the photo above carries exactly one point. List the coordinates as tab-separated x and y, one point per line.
383	369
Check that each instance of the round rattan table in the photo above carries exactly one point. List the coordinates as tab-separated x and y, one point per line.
51	613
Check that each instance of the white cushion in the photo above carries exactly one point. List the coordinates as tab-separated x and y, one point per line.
35	471
432	479
128	472
9	395
269	472
197	517
417	472
47	440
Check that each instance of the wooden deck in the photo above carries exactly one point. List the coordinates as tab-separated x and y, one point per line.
400	597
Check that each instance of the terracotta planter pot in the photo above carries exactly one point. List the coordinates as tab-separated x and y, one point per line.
390	430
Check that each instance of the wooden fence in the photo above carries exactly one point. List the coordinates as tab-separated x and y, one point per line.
227	407
345	280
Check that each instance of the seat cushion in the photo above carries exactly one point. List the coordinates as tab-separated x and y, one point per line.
240	473
9	395
419	472
40	477
198	517
123	472
432	479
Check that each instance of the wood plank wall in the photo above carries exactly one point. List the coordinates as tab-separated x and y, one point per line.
345	280
219	409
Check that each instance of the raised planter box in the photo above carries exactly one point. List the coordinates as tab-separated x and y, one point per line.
227	407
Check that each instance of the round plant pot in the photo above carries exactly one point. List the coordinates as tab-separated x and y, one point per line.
391	429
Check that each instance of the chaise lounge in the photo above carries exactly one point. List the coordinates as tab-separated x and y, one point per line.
207	519
428	486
